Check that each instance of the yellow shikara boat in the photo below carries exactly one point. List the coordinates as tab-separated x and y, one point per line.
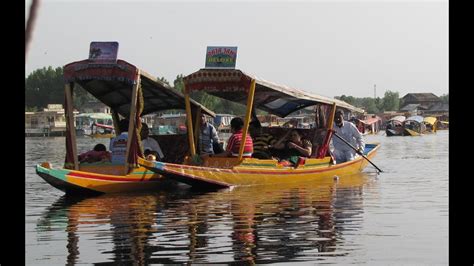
255	93
430	123
131	93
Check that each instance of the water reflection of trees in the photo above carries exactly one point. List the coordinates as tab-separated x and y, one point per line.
245	225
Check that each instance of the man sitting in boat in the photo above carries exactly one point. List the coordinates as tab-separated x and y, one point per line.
118	145
261	141
98	154
234	142
149	145
292	146
351	134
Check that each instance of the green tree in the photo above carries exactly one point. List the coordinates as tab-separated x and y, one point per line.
444	98
211	102
390	101
46	85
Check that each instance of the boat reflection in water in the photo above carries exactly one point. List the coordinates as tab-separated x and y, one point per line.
258	224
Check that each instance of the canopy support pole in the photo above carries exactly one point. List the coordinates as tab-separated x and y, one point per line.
247	118
131	124
70	124
189	120
197	131
324	148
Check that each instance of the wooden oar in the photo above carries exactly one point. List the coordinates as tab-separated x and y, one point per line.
350	145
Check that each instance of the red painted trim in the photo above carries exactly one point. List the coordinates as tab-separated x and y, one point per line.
108	178
335	167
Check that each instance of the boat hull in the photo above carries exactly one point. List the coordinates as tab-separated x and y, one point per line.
392	132
253	171
83	182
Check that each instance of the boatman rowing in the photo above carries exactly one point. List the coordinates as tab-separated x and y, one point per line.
351	134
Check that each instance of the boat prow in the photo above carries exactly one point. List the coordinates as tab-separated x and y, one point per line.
220	172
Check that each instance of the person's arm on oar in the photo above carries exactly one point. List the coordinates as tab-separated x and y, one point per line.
360	140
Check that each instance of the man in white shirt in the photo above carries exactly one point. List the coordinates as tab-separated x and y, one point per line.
349	132
150	145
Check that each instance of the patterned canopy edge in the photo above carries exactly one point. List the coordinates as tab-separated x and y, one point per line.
112	85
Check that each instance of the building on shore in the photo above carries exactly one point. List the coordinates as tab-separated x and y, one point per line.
424	104
49	122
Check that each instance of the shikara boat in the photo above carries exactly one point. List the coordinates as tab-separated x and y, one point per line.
430	123
256	93
369	125
414	126
85	123
394	126
101	131
130	92
442	125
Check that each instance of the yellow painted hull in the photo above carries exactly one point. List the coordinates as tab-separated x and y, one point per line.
227	172
99	179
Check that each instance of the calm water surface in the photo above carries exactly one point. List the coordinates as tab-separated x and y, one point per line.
399	217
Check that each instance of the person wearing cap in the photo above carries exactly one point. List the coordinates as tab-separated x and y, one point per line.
349	132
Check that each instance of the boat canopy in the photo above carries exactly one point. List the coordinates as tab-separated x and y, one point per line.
430	120
399	118
112	83
95	116
415	118
234	84
371	120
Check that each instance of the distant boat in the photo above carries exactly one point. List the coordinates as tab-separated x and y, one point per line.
431	124
85	122
370	125
101	131
414	126
395	126
222	122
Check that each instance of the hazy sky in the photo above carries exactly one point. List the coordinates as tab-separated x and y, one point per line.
325	47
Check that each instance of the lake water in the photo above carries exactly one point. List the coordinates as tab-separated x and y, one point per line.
396	218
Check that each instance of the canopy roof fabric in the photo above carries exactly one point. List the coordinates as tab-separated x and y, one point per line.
233	85
112	84
416	118
430	120
399	118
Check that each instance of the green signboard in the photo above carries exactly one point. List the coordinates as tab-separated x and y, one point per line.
221	57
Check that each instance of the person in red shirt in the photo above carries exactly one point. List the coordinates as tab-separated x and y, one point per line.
98	154
234	142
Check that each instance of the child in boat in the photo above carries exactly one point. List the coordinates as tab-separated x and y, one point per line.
234	142
98	154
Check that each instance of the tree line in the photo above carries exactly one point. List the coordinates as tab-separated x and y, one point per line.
46	86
